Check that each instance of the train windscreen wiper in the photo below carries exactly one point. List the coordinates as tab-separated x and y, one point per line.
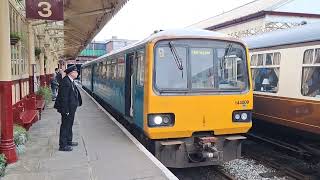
176	57
228	50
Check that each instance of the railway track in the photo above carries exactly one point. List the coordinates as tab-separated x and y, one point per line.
203	173
287	159
224	174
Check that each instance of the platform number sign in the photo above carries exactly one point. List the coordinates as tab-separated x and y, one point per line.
44	9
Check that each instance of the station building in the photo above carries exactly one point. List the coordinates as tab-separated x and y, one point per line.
262	16
31	49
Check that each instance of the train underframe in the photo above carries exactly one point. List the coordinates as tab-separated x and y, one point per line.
198	150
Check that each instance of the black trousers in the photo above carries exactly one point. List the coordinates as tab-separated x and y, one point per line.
66	128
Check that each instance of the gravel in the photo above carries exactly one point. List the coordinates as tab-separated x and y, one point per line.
248	169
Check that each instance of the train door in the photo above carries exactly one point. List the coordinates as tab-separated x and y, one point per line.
129	85
138	90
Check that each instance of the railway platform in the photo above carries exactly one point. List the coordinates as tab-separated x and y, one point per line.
105	151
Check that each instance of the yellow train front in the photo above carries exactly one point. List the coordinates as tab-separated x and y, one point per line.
187	92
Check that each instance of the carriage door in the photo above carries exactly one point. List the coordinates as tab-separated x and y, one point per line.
128	85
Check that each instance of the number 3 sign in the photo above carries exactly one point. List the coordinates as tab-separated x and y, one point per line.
44	9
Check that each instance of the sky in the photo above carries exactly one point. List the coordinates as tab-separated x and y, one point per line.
139	18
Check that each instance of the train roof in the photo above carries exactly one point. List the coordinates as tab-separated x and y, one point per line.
177	33
301	34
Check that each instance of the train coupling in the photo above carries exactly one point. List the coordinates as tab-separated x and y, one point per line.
207	147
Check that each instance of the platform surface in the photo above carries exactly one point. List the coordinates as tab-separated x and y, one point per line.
104	151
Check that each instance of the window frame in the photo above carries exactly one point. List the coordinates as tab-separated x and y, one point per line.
264	65
313	64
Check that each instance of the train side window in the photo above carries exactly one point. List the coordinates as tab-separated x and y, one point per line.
254	60
265	74
269	57
115	68
100	69
317	56
112	69
108	69
310	85
308	56
276	58
260	59
140	69
104	70
121	72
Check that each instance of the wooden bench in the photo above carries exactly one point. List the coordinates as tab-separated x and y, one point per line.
40	103
23	115
37	102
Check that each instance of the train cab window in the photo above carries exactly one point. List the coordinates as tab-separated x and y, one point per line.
310	85
265	72
202	73
200	65
140	69
170	73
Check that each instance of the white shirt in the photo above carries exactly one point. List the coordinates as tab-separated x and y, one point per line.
70	78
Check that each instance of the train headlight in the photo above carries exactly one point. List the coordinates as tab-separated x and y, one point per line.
157	120
161	120
241	116
237	116
244	116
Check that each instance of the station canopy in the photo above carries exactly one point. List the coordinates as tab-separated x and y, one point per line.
83	19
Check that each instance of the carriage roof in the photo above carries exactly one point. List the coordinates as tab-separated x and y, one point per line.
301	34
180	33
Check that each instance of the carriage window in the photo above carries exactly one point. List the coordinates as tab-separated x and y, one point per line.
310	85
104	70
121	70
265	74
254	60
269	58
140	69
276	58
114	64
100	69
260	60
112	70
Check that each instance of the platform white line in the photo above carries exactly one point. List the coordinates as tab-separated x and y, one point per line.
164	169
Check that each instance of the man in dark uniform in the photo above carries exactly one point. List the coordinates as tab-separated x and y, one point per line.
68	100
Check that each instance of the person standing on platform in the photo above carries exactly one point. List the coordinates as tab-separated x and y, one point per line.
55	84
59	75
68	100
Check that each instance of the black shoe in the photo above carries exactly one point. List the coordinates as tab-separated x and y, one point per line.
73	144
66	148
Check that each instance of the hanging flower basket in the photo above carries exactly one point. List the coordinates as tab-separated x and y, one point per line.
14	41
14	38
37	51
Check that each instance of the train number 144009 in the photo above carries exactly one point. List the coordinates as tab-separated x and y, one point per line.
242	102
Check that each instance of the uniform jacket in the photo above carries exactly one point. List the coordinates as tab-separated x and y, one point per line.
68	98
